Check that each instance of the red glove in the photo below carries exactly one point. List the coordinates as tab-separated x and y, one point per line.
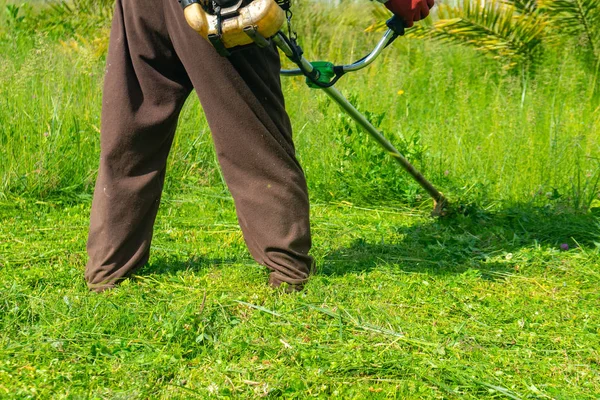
410	10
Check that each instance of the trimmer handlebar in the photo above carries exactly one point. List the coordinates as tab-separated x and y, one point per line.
395	29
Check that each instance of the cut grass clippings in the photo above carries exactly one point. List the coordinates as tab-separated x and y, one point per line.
402	306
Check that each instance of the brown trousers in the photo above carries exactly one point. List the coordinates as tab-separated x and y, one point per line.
154	61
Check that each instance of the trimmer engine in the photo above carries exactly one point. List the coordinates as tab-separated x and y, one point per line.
231	23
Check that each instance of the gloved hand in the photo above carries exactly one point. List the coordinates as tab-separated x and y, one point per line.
410	10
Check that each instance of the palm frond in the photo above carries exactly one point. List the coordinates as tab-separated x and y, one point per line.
502	29
493	27
513	31
579	18
526	7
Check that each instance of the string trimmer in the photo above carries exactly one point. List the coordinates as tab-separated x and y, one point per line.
231	24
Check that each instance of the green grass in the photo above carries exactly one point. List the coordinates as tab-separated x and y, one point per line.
479	134
482	304
402	307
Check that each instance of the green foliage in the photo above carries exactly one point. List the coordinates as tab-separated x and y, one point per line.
524	6
12	14
384	179
60	18
15	17
83	9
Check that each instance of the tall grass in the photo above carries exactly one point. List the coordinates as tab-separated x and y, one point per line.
479	133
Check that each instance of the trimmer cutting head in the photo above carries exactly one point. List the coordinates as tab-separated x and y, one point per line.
440	208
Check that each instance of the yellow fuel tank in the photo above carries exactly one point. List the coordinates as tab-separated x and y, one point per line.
265	16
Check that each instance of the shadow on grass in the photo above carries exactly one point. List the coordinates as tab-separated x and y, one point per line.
172	265
468	240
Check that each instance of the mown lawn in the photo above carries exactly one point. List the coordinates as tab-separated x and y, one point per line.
498	300
482	305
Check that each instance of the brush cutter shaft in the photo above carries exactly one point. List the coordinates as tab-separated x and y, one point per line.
283	45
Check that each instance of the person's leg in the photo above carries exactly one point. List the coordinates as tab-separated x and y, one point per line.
144	89
241	96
